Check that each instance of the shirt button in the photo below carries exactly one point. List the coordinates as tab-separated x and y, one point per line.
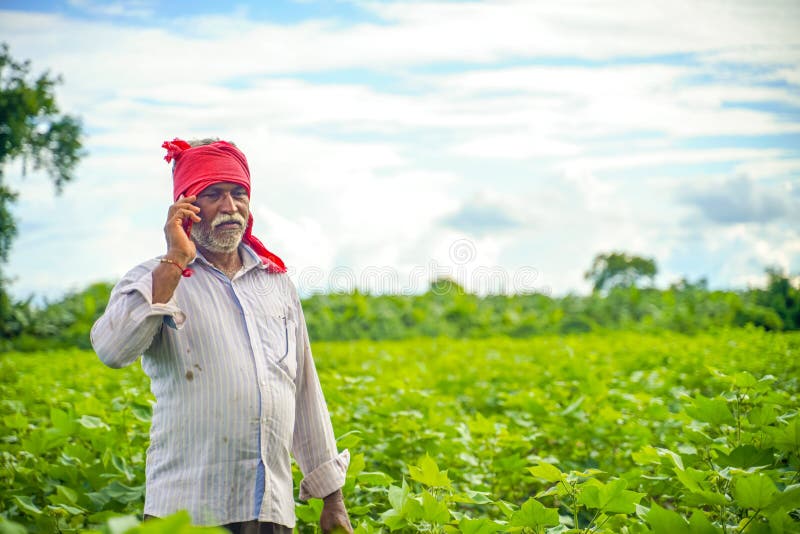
263	382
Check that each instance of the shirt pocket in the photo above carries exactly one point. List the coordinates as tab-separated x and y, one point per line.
281	336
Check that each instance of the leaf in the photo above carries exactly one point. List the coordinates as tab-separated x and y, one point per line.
16	421
787	499
699	524
714	411
533	514
666	521
478	526
787	438
121	524
546	472
745	457
91	422
433	510
357	464
646	455
755	491
374	478
348	440
10	527
142	413
310	512
507	508
610	498
26	505
427	472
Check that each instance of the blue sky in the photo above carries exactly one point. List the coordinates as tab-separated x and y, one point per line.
501	143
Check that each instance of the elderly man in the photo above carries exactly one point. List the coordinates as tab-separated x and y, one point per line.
226	348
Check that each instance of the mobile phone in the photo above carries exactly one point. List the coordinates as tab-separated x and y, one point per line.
187	226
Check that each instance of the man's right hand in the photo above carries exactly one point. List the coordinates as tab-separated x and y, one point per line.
179	247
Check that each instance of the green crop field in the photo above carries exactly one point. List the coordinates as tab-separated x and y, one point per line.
620	432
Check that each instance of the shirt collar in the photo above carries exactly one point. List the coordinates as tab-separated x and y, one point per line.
249	258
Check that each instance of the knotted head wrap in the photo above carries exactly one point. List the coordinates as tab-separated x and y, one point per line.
202	166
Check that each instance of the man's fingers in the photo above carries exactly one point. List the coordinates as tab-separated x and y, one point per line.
185	213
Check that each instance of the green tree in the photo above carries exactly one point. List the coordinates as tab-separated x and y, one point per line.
31	129
618	269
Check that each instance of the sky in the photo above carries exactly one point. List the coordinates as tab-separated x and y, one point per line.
503	144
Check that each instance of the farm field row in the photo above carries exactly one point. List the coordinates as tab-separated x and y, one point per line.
620	432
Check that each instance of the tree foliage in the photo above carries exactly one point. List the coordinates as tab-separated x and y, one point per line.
32	129
446	309
618	269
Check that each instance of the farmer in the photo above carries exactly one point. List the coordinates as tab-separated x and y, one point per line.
226	348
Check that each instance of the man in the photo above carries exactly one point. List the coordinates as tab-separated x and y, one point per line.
226	348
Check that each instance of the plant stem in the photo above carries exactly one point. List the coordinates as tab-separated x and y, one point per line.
750	520
592	521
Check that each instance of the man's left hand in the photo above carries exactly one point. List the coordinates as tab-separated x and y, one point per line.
334	516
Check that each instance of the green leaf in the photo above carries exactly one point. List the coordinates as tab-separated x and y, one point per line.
26	505
92	422
121	524
666	521
375	478
646	455
427	472
142	413
433	510
787	499
546	472
610	498
357	464
10	527
348	440
478	526
787	438
746	456
755	491
310	512
507	508
533	514
714	411
15	421
699	524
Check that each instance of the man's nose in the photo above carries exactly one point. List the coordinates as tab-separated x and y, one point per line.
228	205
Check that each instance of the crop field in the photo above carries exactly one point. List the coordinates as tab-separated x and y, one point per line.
620	432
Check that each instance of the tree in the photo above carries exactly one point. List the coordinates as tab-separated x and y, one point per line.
618	269
31	129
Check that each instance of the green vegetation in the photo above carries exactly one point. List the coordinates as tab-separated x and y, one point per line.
33	130
446	310
615	432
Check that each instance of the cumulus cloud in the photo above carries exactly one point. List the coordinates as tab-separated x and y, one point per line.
480	218
577	112
742	200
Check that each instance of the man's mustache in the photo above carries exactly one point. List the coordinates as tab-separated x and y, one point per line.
223	218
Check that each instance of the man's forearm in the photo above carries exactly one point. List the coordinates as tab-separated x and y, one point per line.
167	276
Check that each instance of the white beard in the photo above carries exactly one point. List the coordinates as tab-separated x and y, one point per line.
220	241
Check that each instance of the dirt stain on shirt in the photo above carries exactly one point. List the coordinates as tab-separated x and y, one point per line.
189	375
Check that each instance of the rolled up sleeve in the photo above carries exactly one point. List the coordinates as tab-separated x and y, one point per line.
131	320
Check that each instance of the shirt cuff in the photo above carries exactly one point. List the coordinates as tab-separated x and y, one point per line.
326	478
173	315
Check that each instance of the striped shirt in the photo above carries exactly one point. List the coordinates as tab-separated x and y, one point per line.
236	391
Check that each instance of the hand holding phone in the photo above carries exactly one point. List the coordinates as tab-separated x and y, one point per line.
177	231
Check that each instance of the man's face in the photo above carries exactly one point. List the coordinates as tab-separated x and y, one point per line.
224	210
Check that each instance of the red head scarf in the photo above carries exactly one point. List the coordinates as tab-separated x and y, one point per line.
199	167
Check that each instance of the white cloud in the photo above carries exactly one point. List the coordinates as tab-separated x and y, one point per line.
363	173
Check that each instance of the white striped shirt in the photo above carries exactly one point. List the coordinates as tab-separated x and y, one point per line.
235	384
